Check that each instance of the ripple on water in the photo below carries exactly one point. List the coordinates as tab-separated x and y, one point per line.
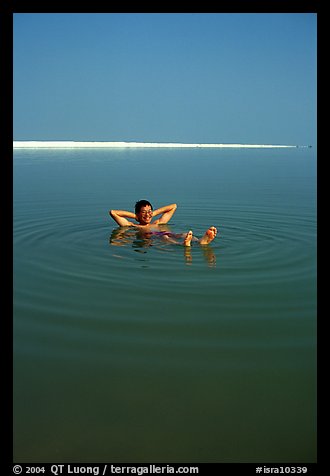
260	243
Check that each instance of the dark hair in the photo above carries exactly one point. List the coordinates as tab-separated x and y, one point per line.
140	204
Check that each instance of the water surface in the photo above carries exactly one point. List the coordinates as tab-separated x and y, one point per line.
131	350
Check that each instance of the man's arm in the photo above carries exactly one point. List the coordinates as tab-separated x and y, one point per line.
120	217
167	213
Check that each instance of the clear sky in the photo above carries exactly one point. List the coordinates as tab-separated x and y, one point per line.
219	78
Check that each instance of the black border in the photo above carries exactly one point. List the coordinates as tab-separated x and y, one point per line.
6	65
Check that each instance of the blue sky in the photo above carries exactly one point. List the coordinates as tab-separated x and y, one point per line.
223	78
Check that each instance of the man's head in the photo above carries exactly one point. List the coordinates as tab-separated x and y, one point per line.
143	211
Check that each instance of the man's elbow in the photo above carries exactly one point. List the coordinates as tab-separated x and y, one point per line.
174	206
112	213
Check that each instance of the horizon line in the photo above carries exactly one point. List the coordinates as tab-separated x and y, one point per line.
33	144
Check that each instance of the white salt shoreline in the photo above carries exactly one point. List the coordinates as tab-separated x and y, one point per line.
91	144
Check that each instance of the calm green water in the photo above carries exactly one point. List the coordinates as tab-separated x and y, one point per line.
135	351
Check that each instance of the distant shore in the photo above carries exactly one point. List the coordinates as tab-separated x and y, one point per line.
100	144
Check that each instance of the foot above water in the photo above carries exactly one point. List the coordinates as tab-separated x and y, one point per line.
188	238
209	236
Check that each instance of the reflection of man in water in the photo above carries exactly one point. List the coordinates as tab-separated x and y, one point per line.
144	214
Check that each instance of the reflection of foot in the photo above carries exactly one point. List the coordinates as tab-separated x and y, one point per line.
188	238
187	254
209	256
209	236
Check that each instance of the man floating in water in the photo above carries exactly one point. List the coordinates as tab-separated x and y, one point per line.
144	215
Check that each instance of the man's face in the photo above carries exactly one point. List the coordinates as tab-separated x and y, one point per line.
145	215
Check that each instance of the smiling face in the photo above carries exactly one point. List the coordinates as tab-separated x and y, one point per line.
145	215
